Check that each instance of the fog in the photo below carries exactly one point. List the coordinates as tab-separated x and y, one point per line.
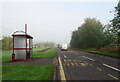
52	21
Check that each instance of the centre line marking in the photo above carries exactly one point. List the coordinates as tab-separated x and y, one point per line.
111	67
113	76
61	70
99	69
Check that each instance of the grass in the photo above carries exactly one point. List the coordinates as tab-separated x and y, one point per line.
0	73
27	72
51	53
37	49
105	53
6	55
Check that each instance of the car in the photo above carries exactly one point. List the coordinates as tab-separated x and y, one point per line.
64	47
59	46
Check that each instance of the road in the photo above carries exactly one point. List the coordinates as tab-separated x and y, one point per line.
78	65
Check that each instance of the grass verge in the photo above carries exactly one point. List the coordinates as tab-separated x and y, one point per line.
6	55
105	53
51	53
27	72
37	49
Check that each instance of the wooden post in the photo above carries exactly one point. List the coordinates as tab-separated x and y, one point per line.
26	28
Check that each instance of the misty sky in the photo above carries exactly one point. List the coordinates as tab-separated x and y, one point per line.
52	21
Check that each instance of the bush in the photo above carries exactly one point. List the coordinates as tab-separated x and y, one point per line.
110	49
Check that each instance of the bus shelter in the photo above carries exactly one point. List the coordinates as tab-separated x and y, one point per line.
22	46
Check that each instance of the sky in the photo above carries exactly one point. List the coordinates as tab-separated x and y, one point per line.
51	21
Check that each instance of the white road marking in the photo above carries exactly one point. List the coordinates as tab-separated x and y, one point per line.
88	58
111	67
117	60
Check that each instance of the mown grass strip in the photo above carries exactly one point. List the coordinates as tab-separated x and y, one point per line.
51	53
27	72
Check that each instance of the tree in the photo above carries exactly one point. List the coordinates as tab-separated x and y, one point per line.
109	37
7	43
0	44
75	39
116	23
45	45
88	35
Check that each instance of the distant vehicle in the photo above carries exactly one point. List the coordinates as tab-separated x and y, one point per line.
64	47
58	46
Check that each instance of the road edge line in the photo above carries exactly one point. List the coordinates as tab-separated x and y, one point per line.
113	76
111	67
62	74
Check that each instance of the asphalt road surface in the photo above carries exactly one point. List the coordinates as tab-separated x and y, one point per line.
79	65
